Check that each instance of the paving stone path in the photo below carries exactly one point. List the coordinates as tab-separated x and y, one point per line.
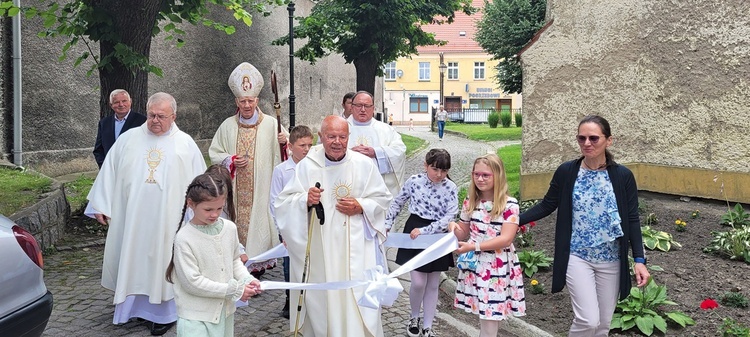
82	307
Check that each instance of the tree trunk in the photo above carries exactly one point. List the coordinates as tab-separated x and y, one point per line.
367	69
134	28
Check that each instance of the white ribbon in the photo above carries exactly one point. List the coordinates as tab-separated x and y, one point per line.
382	289
403	240
273	253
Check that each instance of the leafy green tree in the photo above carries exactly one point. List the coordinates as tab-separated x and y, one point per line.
124	29
505	28
371	33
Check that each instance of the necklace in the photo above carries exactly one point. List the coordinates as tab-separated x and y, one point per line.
595	169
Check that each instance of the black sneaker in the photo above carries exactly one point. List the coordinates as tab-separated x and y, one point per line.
427	332
160	329
285	310
412	329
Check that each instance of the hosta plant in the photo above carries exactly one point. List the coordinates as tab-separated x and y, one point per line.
642	310
654	239
736	217
734	244
532	260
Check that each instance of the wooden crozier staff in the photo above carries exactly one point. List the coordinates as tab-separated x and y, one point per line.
277	107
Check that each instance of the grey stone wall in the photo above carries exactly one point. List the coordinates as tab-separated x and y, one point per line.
61	103
47	218
670	76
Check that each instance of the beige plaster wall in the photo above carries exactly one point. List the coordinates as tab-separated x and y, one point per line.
672	77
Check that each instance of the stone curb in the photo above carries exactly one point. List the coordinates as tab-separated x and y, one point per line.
45	219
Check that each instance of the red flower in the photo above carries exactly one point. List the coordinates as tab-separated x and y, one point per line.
522	229
709	304
532	224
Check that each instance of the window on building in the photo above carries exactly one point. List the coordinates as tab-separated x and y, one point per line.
389	71
478	70
424	71
452	70
418	104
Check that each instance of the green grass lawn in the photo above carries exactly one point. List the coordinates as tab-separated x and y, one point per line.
511	156
77	190
413	144
20	189
483	132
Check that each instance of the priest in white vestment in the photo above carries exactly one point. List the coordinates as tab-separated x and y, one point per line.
355	201
377	140
247	143
140	192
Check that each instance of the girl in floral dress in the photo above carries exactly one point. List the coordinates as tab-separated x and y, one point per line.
489	220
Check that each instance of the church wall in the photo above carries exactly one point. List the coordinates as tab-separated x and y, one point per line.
670	76
61	109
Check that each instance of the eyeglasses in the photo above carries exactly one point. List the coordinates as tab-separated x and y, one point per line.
157	117
592	139
360	106
483	175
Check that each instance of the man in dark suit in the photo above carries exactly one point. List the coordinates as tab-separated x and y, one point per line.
113	126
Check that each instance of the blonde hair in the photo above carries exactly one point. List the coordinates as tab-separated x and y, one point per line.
500	183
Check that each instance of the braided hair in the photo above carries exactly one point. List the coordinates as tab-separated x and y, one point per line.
204	187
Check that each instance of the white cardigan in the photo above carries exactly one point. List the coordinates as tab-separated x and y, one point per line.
208	272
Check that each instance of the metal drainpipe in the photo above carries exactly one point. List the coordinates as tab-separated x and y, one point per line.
17	85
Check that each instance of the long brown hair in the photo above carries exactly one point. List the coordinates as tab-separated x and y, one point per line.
204	187
218	171
500	189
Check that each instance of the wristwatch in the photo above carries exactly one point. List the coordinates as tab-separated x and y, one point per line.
639	260
476	247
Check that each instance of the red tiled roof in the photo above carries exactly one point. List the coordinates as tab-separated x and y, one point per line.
452	33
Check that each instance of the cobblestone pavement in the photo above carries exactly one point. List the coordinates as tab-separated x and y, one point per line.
82	307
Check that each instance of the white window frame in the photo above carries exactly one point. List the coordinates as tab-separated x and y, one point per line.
452	70
389	71
424	71
479	70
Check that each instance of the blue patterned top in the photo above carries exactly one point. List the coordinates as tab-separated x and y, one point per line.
428	200
596	222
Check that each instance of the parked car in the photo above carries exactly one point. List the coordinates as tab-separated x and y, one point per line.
25	302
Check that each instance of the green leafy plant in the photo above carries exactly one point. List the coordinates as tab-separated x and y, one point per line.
506	118
519	119
536	287
642	309
680	225
533	260
654	239
696	214
524	237
736	217
734	299
493	118
651	219
734	244
730	328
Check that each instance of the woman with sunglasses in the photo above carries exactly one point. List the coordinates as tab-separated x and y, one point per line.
597	222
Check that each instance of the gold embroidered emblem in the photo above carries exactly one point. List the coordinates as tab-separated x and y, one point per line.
341	190
363	140
153	158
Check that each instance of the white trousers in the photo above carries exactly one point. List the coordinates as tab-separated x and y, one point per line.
593	288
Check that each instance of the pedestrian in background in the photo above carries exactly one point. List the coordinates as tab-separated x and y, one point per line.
493	288
433	203
597	221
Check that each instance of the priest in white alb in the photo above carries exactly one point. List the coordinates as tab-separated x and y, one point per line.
347	244
140	192
247	143
377	140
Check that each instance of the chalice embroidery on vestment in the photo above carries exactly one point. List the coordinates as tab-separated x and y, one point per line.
342	190
153	159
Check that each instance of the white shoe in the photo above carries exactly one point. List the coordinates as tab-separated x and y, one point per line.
427	332
412	329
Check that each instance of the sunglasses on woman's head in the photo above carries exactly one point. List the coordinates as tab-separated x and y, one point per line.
592	139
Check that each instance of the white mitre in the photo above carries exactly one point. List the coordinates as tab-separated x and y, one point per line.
245	81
